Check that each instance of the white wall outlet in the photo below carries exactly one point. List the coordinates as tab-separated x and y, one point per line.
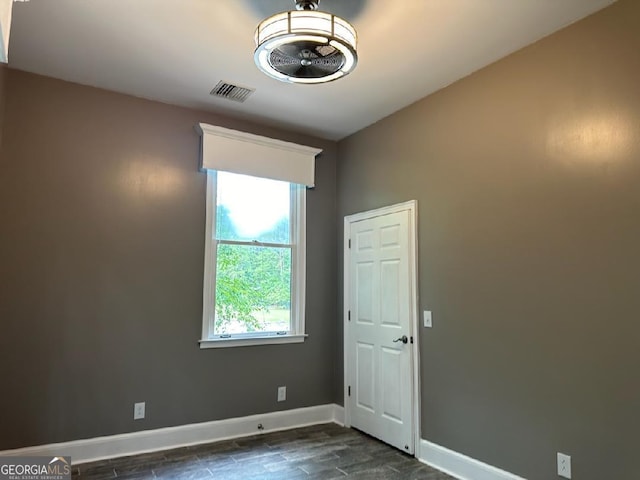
564	465
427	319
282	394
138	411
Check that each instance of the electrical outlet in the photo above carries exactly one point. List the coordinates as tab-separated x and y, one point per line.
138	411
564	465
282	394
427	319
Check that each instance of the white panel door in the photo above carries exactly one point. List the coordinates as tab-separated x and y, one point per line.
379	371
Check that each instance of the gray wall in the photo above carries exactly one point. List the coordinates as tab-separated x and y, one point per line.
527	175
101	251
3	74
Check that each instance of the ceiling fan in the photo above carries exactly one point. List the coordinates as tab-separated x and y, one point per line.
306	45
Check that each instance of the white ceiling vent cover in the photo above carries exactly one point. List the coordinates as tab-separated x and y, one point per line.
232	92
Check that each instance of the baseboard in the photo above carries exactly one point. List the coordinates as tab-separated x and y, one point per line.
460	466
338	414
100	448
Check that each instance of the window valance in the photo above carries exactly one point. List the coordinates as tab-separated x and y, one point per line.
248	154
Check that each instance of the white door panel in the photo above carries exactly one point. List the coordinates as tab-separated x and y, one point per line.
391	375
365	377
380	312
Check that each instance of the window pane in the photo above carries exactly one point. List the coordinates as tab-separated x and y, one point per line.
251	208
253	289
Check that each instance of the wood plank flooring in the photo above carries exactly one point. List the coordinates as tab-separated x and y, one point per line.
320	452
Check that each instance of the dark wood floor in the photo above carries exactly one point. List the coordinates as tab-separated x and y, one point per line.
321	452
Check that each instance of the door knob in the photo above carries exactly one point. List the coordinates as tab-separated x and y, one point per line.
402	339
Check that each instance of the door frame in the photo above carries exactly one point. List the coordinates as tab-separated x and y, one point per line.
412	207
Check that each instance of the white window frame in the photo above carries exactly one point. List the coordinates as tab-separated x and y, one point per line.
298	276
223	149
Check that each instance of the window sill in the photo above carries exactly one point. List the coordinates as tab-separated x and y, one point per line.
248	342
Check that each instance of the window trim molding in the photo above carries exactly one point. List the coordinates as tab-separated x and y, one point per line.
249	154
251	341
298	272
209	286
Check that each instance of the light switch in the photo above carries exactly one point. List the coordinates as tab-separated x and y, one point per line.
427	319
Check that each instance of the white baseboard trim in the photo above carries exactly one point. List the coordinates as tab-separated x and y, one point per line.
338	414
460	466
112	446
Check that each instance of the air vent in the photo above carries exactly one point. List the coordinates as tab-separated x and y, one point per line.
231	91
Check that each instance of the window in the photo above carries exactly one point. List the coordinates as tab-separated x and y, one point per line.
254	283
256	259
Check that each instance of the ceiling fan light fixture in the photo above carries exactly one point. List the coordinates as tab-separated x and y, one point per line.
305	45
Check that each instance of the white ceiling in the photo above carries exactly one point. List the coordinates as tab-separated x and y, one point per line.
175	51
